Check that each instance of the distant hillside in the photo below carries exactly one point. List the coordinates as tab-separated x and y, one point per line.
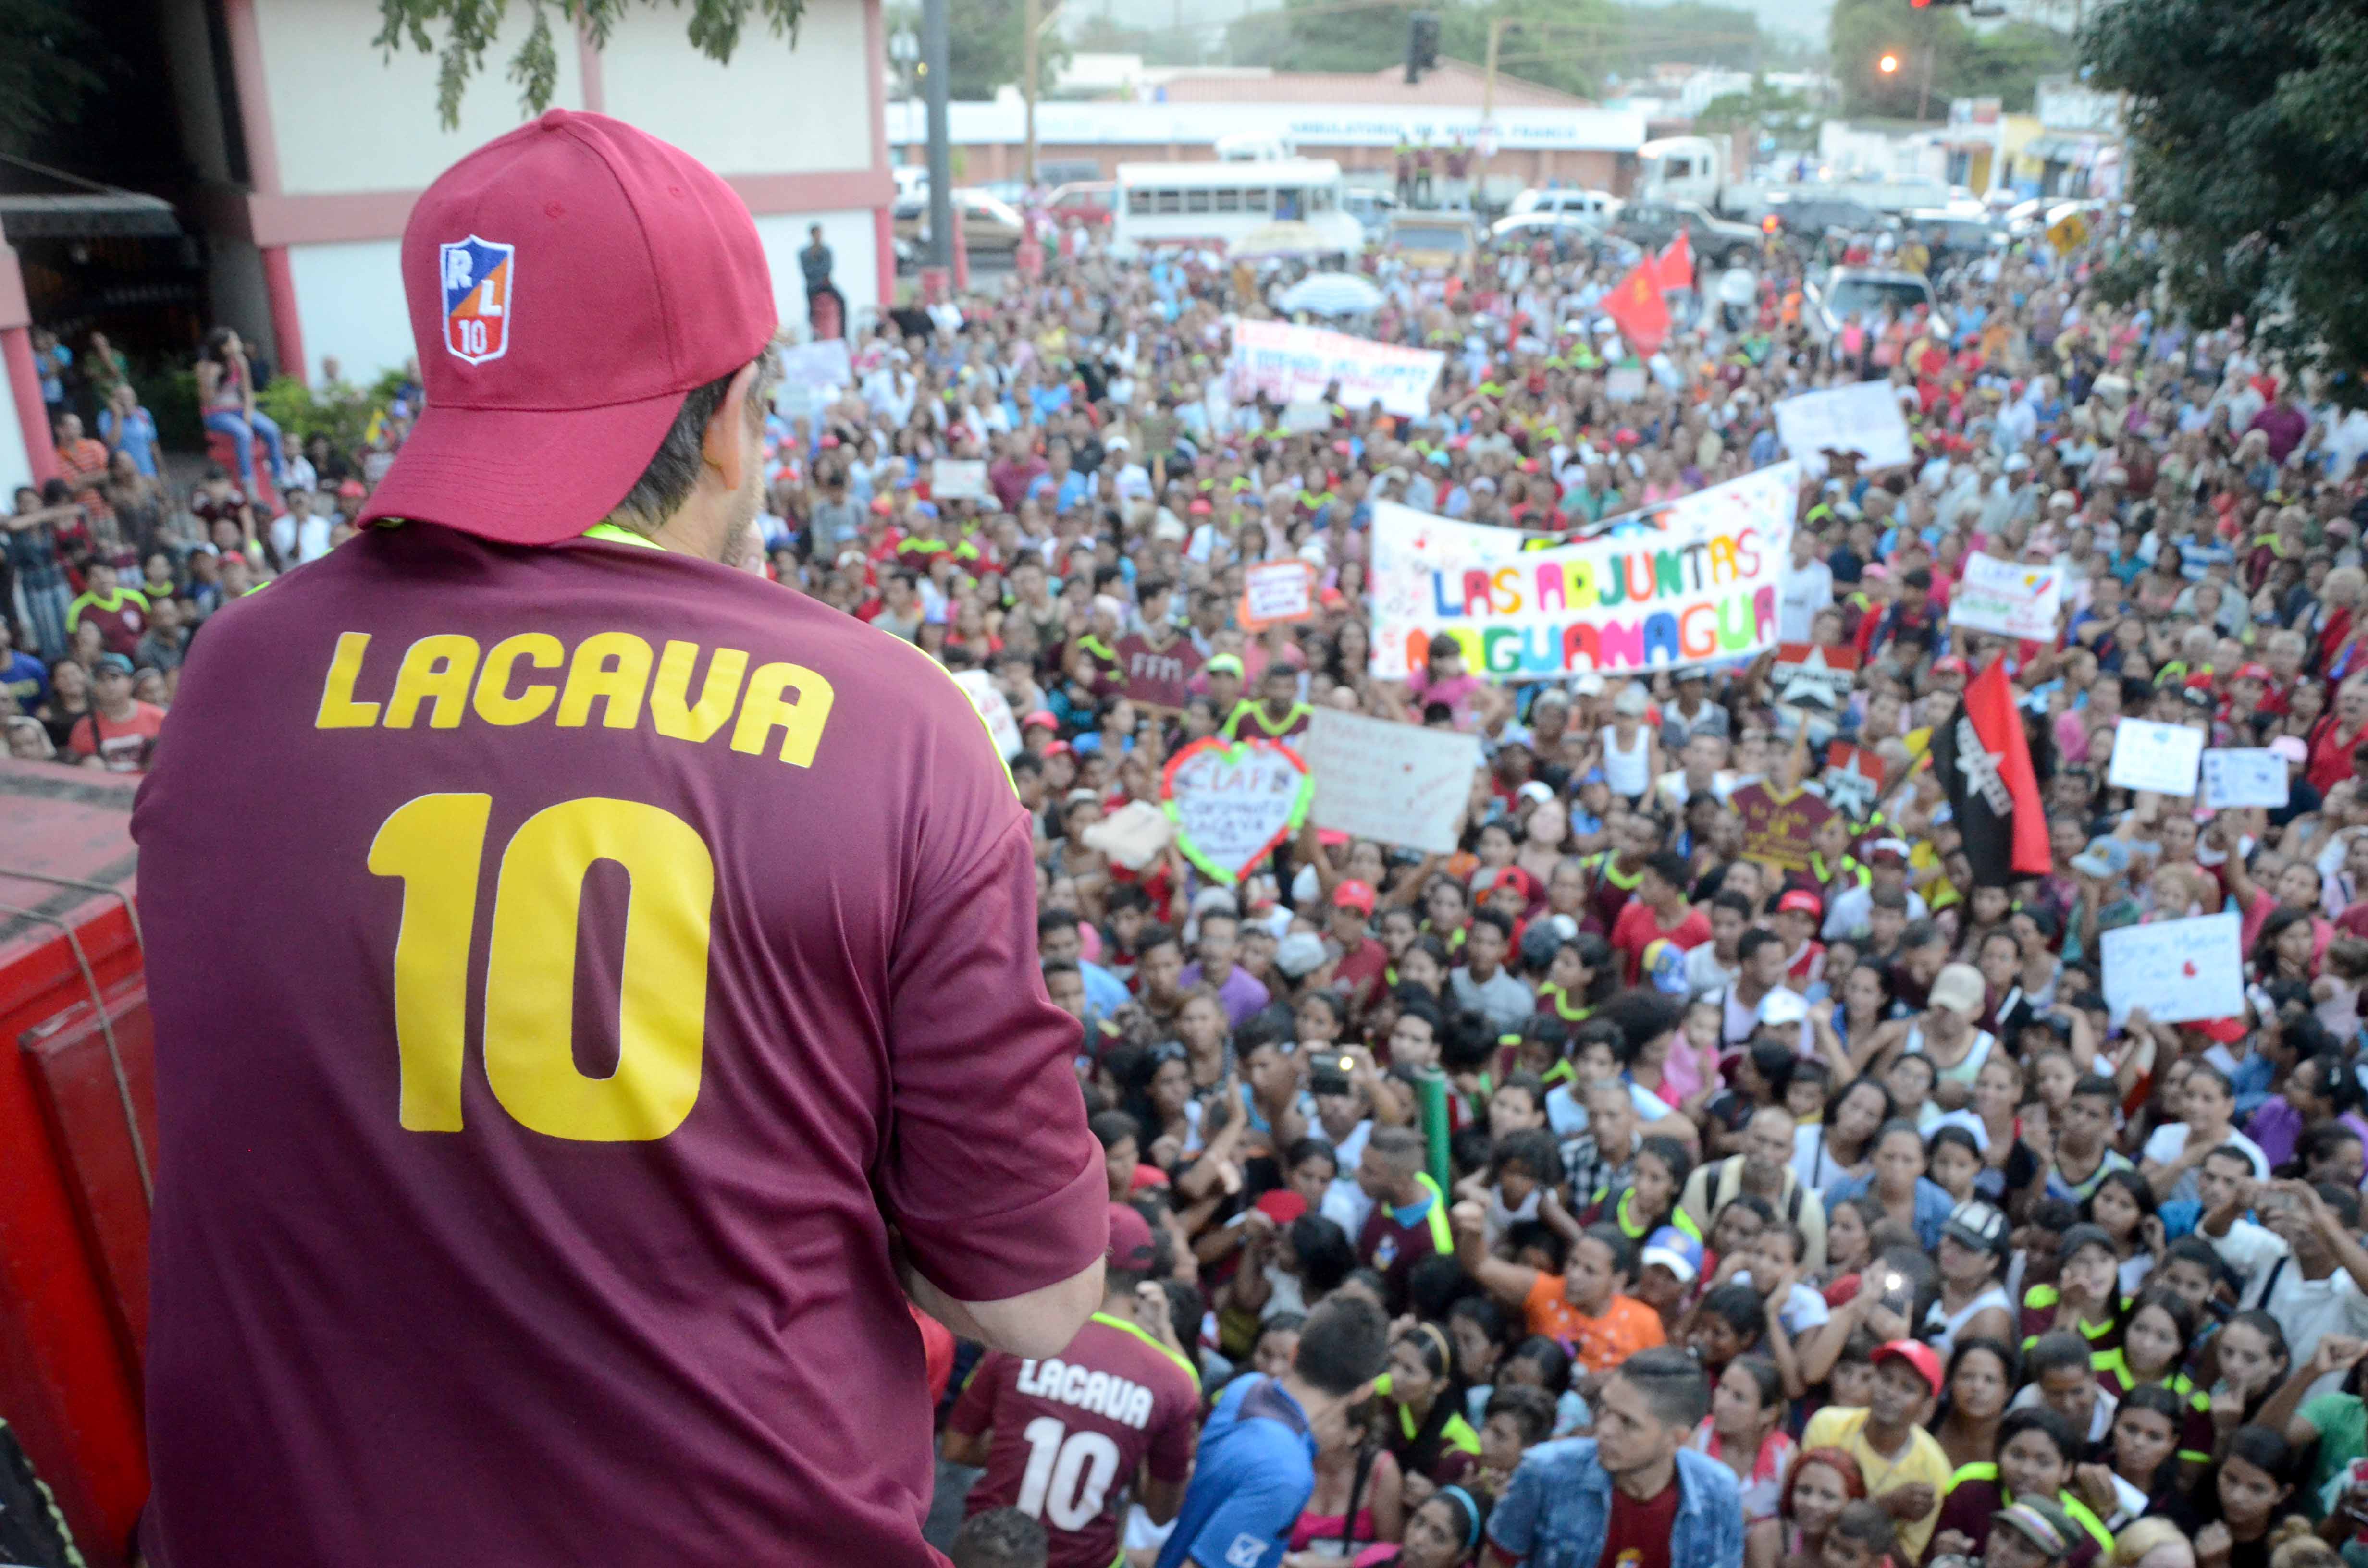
1795	19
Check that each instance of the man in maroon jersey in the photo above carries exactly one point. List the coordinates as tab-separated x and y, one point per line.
1062	1436
641	1000
1158	662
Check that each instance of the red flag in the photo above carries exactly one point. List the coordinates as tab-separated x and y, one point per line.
1635	306
1675	265
1983	758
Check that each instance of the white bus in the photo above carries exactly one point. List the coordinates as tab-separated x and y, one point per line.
1217	203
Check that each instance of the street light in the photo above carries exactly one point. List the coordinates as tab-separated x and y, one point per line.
1888	65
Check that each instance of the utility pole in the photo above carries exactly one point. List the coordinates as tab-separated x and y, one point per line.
1030	19
1497	26
935	45
1924	91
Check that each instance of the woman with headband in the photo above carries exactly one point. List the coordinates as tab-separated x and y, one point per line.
1443	1533
1423	1416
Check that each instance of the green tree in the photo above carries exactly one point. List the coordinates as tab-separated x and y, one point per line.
985	52
2248	147
1560	44
47	75
2004	63
1790	118
468	29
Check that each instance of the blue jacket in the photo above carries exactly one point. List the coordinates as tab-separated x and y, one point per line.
1557	1509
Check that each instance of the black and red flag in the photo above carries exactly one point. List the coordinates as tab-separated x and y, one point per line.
1984	759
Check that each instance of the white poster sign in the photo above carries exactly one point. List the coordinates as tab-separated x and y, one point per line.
1305	413
1400	784
2161	757
1295	364
2245	777
1862	418
2008	597
1625	383
2179	970
957	479
1686	582
993	708
820	367
1277	591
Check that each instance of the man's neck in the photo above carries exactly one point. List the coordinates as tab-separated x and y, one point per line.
1885	1440
119	713
1647	1480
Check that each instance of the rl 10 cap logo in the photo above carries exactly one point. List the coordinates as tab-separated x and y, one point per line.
478	274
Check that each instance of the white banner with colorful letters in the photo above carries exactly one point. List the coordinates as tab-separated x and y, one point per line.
1685	583
1295	364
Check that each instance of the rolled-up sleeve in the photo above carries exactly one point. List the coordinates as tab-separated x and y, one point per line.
991	1173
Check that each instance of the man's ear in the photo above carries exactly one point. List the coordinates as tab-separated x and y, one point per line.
722	444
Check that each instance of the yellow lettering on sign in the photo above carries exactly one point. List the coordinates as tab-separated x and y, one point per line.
338	708
788	695
611	666
439	667
494	702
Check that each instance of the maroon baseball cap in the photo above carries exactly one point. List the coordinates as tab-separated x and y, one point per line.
1130	1240
568	284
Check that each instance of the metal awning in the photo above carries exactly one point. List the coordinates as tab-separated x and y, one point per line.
38	202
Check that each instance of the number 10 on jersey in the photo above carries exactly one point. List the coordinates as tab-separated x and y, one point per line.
436	845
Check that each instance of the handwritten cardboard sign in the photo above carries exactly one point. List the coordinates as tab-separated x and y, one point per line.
1277	591
1233	801
2008	597
957	479
1779	830
2162	757
817	370
2243	777
2177	969
1862	418
1399	784
1625	383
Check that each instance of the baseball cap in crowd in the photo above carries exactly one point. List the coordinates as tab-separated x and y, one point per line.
1783	1005
2198	697
1978	1225
1354	895
2075	1237
1224	664
1801	899
1300	954
1887	849
1951	666
1958	987
2254	672
1916	1354
111	664
1535	790
2042	1523
1130	1240
2290	748
1588	685
1039	720
1517	880
1631	701
2103	858
568	283
1675	1251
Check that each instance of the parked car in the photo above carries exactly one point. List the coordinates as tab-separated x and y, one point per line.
1654	224
988	223
1811	217
1862	291
1087	201
1600	206
1570	235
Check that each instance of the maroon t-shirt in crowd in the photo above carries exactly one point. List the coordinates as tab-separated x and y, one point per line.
704	917
1070	1431
1161	676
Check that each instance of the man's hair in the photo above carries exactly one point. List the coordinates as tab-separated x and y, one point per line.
1616	1241
2055	1351
1050	920
1496	922
1733	902
1152	937
1890	898
999	1537
1402	1147
1865	1523
1344	1346
1751	941
1672	1383
1918	934
2096	1087
673	470
1670	867
1062	966
1114	1126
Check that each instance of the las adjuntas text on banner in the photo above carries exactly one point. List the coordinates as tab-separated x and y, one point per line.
1692	581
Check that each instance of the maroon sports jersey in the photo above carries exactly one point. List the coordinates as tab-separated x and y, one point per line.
633	929
1069	1432
1160	676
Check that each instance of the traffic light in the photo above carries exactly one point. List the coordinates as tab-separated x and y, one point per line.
1422	45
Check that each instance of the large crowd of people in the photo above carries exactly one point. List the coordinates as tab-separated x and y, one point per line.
1794	1217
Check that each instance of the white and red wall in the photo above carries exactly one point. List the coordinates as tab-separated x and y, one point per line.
312	145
